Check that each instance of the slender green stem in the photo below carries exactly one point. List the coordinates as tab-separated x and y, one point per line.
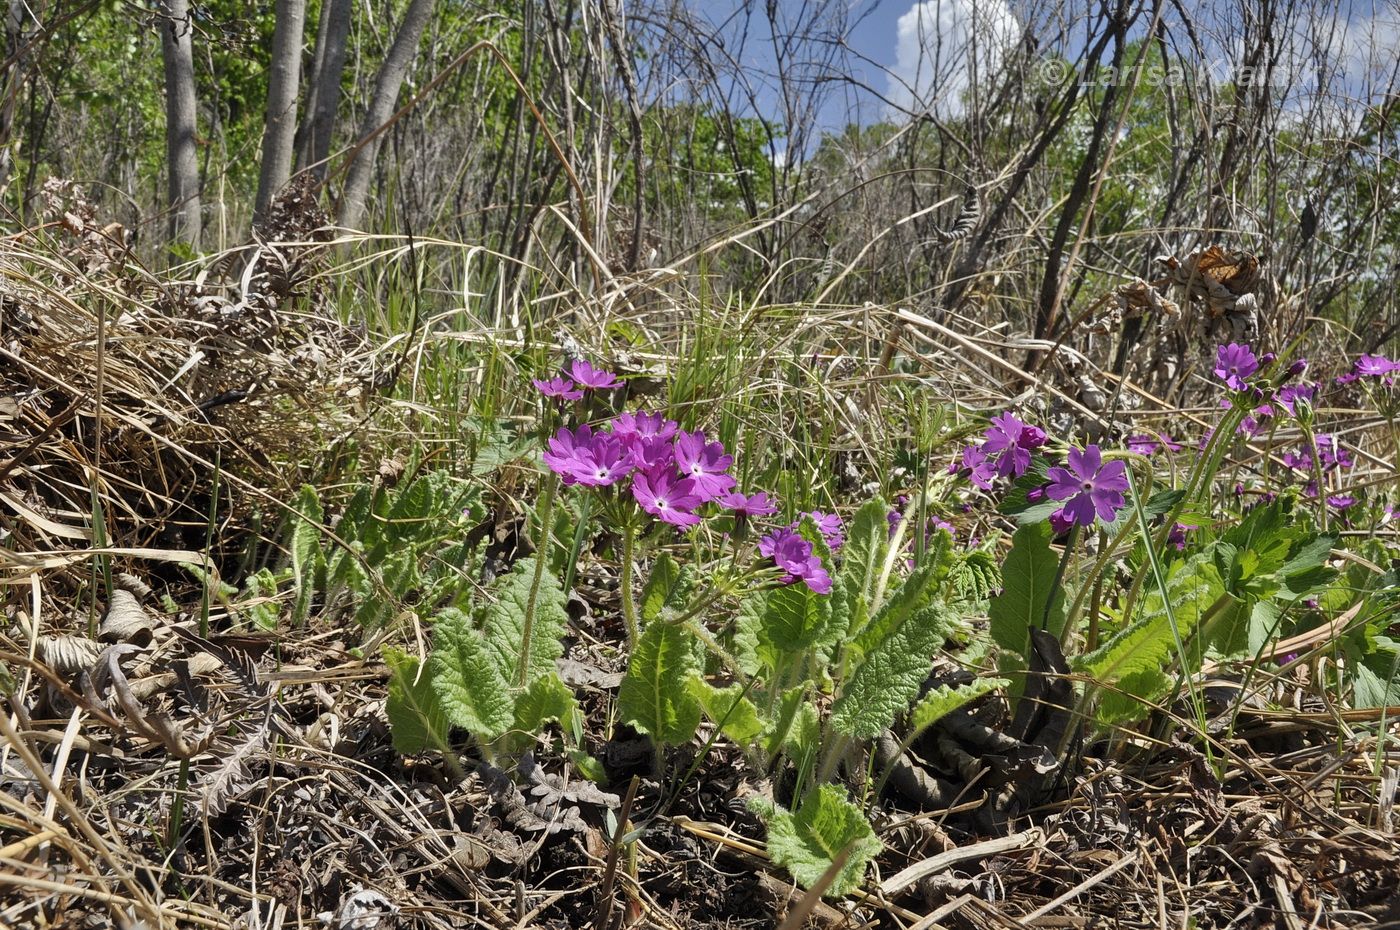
177	810
546	511
629	602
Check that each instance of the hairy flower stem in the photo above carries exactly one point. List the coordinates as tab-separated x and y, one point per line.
546	512
629	601
1317	474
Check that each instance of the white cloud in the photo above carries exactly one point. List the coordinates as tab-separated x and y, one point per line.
942	47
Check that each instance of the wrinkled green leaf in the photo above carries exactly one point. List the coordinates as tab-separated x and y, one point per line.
729	708
467	679
667	589
653	697
416	718
892	670
806	843
547	698
504	627
943	700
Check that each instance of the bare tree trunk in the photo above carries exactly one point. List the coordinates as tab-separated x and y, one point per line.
323	89
284	75
381	107
177	49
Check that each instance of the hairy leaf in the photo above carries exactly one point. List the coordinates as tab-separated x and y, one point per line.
416	718
794	619
547	698
467	679
653	697
867	544
1028	577
308	560
729	708
892	669
943	700
807	842
667	588
1136	657
504	627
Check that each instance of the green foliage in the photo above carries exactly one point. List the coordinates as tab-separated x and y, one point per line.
520	654
1029	599
729	708
890	662
943	700
666	590
808	842
653	696
399	545
1136	659
417	720
473	693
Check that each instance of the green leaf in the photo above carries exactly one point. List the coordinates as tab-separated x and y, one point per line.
806	843
308	560
1016	502
504	626
794	619
729	708
547	698
416	718
867	545
667	589
754	656
653	697
943	700
412	510
795	728
1028	578
1135	658
892	670
467	679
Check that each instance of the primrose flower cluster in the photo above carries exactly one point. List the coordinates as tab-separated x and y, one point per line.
672	474
1089	487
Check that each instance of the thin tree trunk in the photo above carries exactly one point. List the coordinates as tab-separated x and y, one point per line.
381	107
283	76
323	90
177	49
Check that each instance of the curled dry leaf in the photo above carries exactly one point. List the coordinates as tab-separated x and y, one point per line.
68	655
126	621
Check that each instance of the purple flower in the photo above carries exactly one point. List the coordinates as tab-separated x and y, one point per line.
1177	536
1341	501
1252	427
1234	363
1013	440
829	525
794	555
893	518
590	378
558	386
648	452
752	505
644	425
1291	396
938	523
1375	366
1060	524
606	461
704	463
567	451
1088	485
1332	454
1294	370
1296	461
666	496
980	470
1142	444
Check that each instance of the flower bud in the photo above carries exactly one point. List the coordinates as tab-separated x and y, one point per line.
1268	358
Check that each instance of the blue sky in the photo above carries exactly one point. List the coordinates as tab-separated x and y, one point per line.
913	40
